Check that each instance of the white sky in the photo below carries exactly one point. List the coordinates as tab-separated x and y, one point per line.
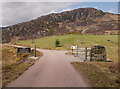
17	11
60	0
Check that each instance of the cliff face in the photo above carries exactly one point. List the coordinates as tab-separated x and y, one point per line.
82	20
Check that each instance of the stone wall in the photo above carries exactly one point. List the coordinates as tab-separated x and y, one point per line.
98	53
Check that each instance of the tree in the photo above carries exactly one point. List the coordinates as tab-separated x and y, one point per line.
57	43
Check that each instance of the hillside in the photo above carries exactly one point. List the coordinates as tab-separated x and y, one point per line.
82	20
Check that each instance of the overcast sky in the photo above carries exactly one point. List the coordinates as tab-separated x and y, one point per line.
17	12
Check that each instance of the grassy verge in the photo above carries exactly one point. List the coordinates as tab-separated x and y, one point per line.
14	65
100	74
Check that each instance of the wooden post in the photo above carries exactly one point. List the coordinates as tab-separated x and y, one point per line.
76	50
72	51
35	51
85	53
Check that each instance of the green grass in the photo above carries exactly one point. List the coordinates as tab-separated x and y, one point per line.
77	39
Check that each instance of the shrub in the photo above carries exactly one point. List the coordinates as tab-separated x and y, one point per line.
57	43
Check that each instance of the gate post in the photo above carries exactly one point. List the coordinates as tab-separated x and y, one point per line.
85	53
72	51
76	50
35	51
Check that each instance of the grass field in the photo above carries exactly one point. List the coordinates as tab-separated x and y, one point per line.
109	41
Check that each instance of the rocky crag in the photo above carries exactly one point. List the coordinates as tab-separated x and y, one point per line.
82	20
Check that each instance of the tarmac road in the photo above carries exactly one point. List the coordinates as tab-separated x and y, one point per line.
51	70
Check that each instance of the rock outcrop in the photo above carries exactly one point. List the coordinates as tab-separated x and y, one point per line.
82	20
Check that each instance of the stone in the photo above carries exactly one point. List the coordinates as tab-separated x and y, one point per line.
35	58
98	53
108	60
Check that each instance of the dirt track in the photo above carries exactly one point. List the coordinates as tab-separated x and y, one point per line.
51	70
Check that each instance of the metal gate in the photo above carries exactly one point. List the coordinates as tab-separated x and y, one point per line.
81	53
